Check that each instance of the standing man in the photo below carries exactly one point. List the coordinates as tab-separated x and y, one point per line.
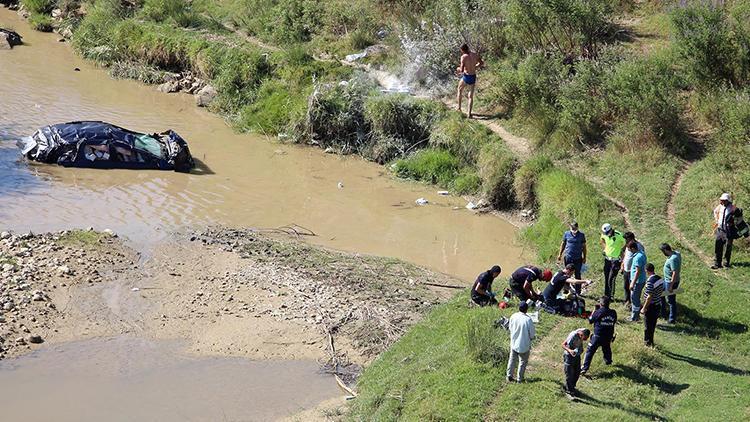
521	279
467	70
723	222
637	280
672	273
522	331
558	282
573	250
604	320
651	304
613	244
625	267
573	347
481	291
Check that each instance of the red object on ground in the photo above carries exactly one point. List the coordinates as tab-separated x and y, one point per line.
502	305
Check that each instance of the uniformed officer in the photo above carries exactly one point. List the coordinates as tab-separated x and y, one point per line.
604	320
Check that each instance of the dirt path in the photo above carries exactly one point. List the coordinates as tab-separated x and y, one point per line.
672	213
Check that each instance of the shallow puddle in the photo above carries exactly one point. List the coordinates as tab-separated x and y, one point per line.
131	379
245	180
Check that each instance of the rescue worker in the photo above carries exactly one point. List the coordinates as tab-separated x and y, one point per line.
481	291
604	320
613	245
521	279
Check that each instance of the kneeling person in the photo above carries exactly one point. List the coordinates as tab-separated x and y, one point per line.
481	291
521	279
555	286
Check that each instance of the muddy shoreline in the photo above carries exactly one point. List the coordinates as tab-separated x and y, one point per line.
228	292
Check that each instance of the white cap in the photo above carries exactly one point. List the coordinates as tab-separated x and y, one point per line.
606	228
725	197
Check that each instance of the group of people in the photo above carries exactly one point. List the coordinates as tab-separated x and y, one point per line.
646	294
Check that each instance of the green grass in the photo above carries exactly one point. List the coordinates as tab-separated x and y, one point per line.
82	238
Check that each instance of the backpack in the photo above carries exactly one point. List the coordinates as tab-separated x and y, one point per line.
741	228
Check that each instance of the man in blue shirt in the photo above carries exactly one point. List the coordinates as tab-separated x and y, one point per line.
573	250
672	273
637	280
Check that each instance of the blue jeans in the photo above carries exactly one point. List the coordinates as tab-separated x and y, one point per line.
635	300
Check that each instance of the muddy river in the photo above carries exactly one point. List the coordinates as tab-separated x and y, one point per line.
244	180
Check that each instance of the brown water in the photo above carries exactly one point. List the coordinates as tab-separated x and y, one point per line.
247	180
131	379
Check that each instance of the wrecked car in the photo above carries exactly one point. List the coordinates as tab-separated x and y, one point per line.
95	144
9	38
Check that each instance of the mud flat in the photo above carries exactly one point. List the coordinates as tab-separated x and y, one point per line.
201	296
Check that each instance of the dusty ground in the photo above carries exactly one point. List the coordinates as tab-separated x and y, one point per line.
228	292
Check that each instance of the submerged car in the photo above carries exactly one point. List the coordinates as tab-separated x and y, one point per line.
103	145
9	38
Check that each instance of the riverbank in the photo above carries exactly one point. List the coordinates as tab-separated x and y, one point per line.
228	292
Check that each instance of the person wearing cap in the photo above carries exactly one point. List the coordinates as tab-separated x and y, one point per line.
651	304
626	261
637	280
613	244
573	250
559	281
522	331
481	291
604	320
521	279
723	223
572	349
672	272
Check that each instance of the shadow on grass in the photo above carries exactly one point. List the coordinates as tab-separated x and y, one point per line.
584	398
628	372
741	264
712	366
694	323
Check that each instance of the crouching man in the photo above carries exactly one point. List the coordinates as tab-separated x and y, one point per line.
560	280
481	291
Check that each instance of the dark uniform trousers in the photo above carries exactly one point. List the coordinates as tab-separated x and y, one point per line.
611	269
651	316
594	344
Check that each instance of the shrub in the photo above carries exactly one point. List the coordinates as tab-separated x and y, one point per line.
467	182
714	43
496	168
570	28
643	98
527	177
399	124
97	29
484	343
39	7
462	137
176	12
273	110
431	165
41	22
238	73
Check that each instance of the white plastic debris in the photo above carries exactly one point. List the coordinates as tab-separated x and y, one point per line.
135	289
340	185
534	316
356	56
443	193
422	201
471	206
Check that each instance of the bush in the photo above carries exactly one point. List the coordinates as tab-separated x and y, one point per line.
97	29
431	165
484	343
271	113
238	73
570	28
399	124
41	22
39	7
177	12
462	137
714	43
496	168
526	180
643	97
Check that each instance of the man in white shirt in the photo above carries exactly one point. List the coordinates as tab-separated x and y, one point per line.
522	331
723	223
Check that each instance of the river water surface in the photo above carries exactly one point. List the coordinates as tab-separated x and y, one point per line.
244	180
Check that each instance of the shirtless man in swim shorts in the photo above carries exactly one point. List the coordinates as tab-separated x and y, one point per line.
470	62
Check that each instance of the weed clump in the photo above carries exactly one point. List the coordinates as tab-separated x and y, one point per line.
484	343
527	178
497	165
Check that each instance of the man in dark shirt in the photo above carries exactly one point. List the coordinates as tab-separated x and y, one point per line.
481	291
604	320
555	286
573	250
651	304
521	279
